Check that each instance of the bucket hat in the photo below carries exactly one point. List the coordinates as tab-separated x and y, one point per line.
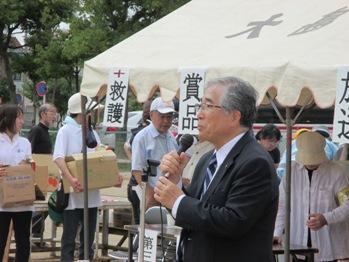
310	148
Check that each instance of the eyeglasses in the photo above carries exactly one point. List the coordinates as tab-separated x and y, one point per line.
205	107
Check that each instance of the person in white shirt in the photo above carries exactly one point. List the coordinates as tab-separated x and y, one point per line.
14	150
68	142
319	201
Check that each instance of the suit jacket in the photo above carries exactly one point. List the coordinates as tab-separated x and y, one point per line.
234	220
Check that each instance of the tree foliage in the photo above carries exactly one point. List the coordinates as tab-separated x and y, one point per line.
56	55
34	18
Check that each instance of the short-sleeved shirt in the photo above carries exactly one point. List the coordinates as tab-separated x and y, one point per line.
12	153
150	144
68	142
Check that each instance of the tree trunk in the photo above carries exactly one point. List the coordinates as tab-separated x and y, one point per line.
2	68
6	70
76	75
53	97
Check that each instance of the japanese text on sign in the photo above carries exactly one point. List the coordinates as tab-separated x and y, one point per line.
191	91
341	111
150	245
255	27
116	97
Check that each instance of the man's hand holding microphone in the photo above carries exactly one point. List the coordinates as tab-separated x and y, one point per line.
172	165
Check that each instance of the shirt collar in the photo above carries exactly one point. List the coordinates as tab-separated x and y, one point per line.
222	153
43	125
154	132
72	124
5	137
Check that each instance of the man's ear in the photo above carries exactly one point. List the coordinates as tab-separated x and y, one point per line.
236	116
152	115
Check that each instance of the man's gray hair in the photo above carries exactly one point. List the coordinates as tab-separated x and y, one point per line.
44	108
239	95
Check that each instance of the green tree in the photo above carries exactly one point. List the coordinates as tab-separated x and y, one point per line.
32	17
104	23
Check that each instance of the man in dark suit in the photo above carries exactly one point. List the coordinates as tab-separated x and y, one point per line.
228	211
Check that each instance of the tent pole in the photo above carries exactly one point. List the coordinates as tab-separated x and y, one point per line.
84	166
271	100
289	124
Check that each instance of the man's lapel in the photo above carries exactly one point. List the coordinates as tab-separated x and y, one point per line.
227	163
198	180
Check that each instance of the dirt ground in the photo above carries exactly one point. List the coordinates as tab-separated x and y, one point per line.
113	239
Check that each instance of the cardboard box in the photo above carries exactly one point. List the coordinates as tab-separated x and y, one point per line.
102	169
17	187
41	178
53	170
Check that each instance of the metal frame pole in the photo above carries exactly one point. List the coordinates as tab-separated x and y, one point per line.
142	223
288	182
84	165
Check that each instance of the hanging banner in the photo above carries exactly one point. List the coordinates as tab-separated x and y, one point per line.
191	92
150	245
341	110
116	97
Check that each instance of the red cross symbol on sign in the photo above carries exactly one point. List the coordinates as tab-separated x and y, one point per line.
119	73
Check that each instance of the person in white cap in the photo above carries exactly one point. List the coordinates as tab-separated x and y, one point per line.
319	201
152	142
68	142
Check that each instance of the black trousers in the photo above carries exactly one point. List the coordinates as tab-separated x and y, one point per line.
71	221
38	227
133	198
21	226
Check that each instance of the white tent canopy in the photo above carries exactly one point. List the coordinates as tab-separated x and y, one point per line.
293	47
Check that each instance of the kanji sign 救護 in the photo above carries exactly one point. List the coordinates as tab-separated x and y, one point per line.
116	97
341	110
191	91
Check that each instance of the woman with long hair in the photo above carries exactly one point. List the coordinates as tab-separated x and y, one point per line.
14	150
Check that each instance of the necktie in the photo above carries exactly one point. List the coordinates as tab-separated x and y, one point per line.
209	172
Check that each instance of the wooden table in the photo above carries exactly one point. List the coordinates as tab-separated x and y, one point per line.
108	202
308	252
172	232
169	233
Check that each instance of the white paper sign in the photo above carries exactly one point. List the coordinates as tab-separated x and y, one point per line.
178	238
116	97
191	92
341	110
150	245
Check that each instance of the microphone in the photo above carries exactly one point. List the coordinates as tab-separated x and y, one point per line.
185	142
